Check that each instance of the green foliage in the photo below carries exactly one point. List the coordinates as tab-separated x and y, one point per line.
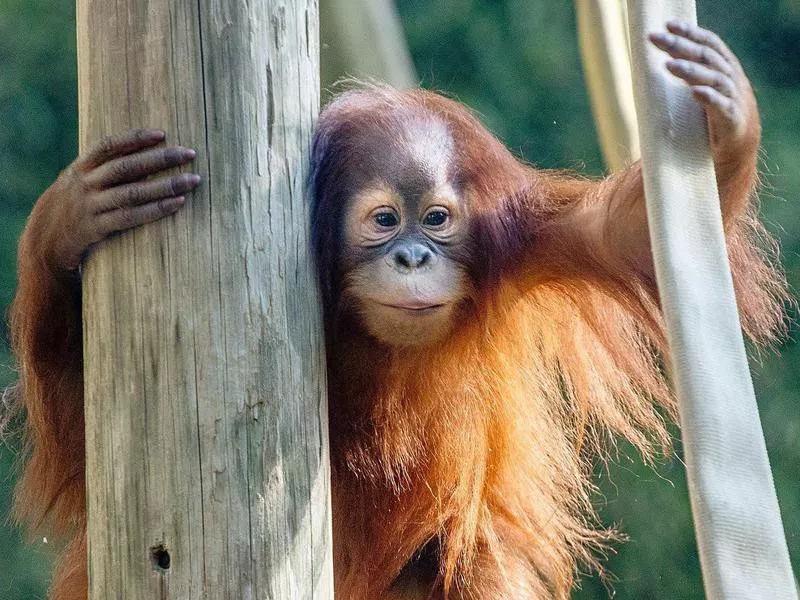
38	97
516	62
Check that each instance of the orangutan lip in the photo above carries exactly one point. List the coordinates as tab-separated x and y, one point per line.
414	307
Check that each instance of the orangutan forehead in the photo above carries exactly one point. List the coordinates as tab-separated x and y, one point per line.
426	148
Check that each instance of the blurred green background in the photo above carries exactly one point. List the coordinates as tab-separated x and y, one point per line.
515	62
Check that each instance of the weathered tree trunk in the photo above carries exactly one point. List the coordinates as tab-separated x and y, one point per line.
207	455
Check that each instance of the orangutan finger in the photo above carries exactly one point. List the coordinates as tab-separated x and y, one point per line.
143	192
138	165
682	48
704	37
118	145
715	101
133	216
698	75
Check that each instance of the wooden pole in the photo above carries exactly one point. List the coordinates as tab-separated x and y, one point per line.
605	49
207	454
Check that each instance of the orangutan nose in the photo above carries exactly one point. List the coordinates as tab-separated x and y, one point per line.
411	256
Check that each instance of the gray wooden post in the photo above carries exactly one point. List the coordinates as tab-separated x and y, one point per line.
207	454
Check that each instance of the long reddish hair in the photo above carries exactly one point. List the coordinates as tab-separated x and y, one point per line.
486	443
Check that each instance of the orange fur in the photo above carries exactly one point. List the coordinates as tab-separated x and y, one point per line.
46	337
480	447
486	443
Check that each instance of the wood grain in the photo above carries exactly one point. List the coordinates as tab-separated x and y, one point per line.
207	451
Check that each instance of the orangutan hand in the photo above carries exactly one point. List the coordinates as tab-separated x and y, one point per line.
107	190
717	80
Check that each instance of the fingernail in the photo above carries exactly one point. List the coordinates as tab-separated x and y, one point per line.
194	179
660	38
189	153
157	134
176	203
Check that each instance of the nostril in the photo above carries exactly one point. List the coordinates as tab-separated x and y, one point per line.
403	258
424	257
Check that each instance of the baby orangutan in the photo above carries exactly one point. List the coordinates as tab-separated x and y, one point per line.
489	326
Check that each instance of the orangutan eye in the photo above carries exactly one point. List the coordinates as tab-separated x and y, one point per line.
435	218
386	219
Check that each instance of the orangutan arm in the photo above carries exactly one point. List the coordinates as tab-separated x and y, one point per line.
105	191
606	224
